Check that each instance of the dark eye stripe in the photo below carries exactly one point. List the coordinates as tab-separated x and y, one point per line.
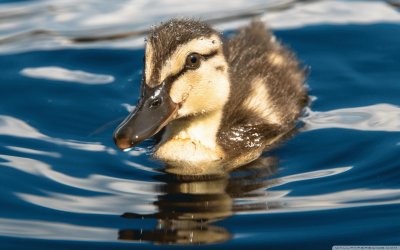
204	57
170	79
210	55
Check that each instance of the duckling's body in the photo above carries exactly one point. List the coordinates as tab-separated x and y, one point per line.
222	108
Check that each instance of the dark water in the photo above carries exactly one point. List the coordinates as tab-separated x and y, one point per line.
64	184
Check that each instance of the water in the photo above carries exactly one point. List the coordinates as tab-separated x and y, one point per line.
64	184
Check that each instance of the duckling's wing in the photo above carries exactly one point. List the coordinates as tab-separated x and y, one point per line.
267	84
265	75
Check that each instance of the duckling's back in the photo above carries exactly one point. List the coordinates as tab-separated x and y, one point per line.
267	91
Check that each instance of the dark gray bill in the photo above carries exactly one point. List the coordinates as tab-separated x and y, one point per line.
154	110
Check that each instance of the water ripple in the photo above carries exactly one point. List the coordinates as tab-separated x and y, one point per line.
378	117
345	199
62	74
11	126
53	230
123	24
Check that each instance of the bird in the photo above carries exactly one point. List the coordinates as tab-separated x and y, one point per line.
214	102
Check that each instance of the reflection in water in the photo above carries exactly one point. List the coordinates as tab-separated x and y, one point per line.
188	205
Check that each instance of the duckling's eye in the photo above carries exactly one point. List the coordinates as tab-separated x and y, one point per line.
193	61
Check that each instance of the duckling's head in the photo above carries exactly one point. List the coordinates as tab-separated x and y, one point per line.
185	74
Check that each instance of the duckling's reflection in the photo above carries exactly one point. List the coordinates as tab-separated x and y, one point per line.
190	204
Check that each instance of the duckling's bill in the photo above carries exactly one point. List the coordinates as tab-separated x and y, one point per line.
155	110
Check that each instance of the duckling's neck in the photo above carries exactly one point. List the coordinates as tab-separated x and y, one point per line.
202	128
191	141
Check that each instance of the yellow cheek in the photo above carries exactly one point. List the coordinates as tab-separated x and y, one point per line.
181	89
200	93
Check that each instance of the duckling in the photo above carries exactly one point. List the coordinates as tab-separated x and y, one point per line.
216	103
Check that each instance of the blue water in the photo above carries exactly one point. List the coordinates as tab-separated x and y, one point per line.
65	185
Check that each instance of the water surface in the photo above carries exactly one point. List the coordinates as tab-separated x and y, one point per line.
72	72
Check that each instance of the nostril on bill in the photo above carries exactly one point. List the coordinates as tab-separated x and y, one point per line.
155	103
